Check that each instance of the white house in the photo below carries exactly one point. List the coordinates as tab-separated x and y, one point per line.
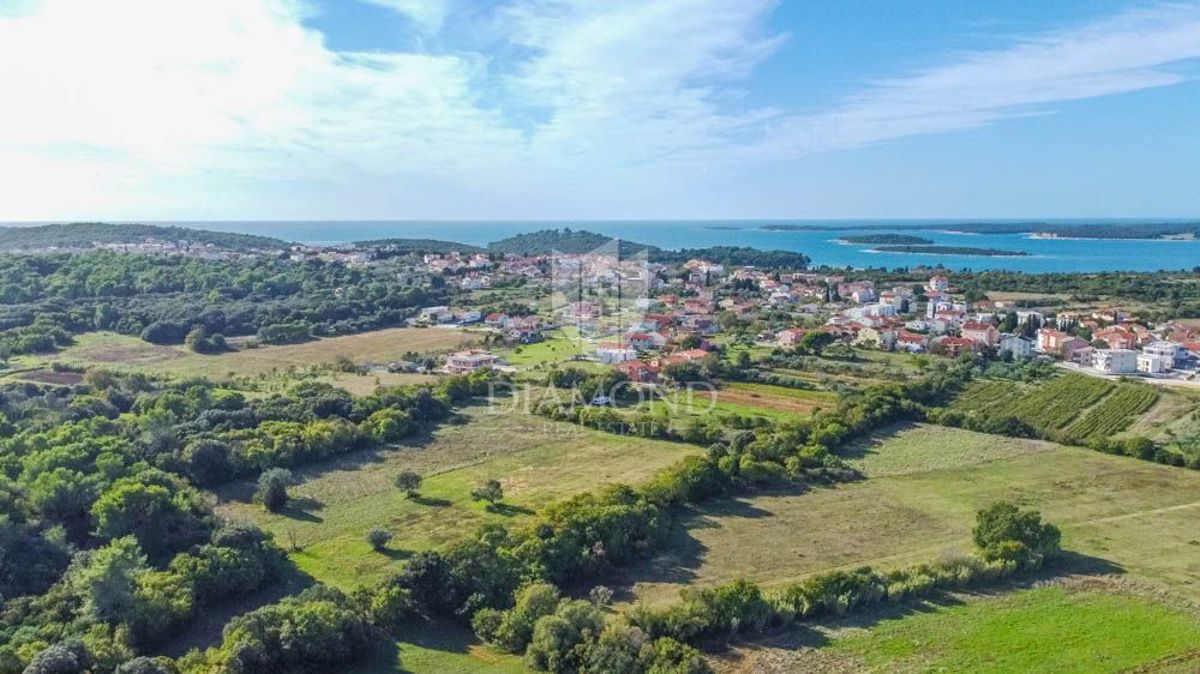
473	360
438	314
611	353
646	303
1115	361
1149	363
1169	351
1018	345
469	316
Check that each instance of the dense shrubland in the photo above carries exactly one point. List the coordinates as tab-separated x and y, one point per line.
48	298
108	544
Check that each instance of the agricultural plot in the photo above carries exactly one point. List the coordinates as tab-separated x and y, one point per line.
1116	412
336	503
988	395
1056	403
1175	414
923	487
1084	627
1084	407
776	398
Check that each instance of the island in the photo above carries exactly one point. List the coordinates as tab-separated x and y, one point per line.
888	239
951	250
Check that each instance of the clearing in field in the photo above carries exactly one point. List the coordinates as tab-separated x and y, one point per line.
923	487
336	503
107	349
776	398
1084	627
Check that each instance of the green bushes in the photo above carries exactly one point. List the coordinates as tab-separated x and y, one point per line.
1005	532
310	632
512	630
111	602
571	635
271	491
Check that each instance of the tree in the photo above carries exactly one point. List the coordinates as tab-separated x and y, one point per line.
1004	531
555	645
68	657
814	342
600	596
511	630
147	665
107	578
151	507
389	425
197	340
379	538
490	491
409	482
272	488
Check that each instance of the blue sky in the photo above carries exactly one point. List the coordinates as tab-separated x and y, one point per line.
561	109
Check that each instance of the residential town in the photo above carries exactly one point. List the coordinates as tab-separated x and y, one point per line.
640	318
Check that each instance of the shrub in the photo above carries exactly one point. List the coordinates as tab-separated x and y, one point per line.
272	488
379	538
409	482
1005	532
490	491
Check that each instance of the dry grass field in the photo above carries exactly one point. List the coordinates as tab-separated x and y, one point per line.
106	349
337	502
923	487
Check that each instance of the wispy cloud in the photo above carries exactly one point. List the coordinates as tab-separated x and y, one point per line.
428	15
182	109
1130	52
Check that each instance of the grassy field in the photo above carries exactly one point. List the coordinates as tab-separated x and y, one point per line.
1083	628
558	347
923	488
778	398
437	648
111	350
536	461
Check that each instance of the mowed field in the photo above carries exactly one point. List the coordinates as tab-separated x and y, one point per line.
775	398
106	349
1093	626
336	503
923	487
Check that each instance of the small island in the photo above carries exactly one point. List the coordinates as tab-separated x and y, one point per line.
887	239
951	250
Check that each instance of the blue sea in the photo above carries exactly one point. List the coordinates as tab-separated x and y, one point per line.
1046	255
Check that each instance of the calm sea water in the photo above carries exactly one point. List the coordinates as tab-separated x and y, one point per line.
1066	255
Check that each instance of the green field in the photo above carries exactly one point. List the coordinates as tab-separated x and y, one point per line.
1083	407
559	347
923	487
437	648
536	461
282	362
1072	627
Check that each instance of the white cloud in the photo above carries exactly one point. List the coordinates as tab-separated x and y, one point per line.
1126	53
235	108
426	14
